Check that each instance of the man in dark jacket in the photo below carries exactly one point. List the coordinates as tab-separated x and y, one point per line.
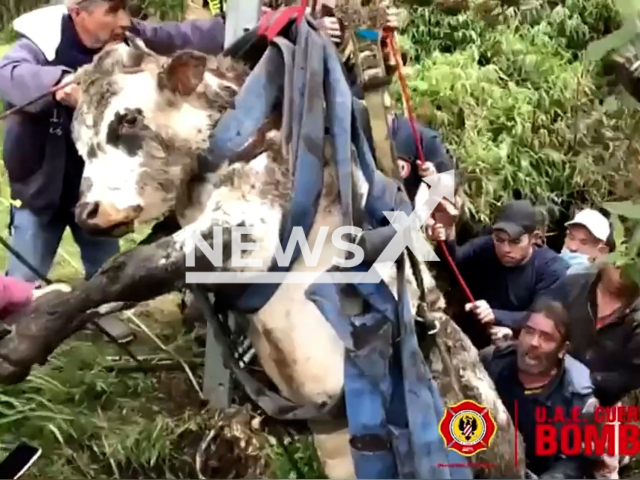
40	157
436	154
604	308
505	271
535	373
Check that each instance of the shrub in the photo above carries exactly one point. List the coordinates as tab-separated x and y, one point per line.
509	90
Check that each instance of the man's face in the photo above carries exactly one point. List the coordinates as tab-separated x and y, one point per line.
512	251
615	281
100	23
540	346
580	240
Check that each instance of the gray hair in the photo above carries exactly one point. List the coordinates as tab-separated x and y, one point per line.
85	4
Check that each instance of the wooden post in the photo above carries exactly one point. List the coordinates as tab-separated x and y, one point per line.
241	16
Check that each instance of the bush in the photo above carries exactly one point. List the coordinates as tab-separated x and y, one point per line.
508	89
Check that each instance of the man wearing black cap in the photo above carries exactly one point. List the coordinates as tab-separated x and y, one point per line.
505	271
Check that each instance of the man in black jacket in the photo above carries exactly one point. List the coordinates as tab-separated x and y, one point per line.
604	308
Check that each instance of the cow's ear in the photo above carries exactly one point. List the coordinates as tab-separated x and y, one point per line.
184	73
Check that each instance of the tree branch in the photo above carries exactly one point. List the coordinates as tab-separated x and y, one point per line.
137	275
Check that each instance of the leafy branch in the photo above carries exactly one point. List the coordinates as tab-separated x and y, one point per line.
625	219
628	34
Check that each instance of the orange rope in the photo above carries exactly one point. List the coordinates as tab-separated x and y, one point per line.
416	138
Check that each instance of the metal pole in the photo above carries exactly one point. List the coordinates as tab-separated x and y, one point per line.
241	16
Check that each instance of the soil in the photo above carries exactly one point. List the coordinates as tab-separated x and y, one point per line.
237	449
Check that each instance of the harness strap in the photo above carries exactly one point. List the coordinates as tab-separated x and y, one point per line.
273	404
395	436
307	150
274	21
371	72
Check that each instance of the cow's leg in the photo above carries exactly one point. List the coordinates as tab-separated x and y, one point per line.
331	438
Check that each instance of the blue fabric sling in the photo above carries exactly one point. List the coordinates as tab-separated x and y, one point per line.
392	403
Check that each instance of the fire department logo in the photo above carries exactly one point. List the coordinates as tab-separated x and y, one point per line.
467	428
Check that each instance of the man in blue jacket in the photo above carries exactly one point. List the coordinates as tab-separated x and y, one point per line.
40	157
536	373
437	156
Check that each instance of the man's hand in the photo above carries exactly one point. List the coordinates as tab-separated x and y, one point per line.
426	169
69	95
500	334
436	232
482	311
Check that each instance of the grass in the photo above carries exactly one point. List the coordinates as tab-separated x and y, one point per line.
94	422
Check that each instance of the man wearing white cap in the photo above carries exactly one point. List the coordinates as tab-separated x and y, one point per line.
585	240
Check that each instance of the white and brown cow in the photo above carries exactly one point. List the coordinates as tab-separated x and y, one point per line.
141	125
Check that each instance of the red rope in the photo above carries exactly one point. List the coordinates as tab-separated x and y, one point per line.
416	138
303	9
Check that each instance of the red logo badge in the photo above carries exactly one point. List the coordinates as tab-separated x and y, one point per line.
467	428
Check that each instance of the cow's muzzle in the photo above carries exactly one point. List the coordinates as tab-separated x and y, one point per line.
105	219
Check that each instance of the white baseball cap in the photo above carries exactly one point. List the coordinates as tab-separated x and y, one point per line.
593	221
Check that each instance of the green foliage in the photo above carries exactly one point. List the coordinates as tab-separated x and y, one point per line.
164	10
509	91
625	218
300	460
11	9
94	423
629	33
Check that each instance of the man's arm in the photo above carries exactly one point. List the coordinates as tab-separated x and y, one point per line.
581	465
570	467
512	320
470	251
549	276
24	76
486	355
205	36
434	150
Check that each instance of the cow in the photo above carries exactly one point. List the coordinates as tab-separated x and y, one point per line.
142	126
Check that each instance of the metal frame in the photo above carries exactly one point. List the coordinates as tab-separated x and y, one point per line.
241	16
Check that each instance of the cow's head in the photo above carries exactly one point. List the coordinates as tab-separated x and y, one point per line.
142	121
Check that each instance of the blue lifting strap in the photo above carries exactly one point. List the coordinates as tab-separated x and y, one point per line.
392	403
